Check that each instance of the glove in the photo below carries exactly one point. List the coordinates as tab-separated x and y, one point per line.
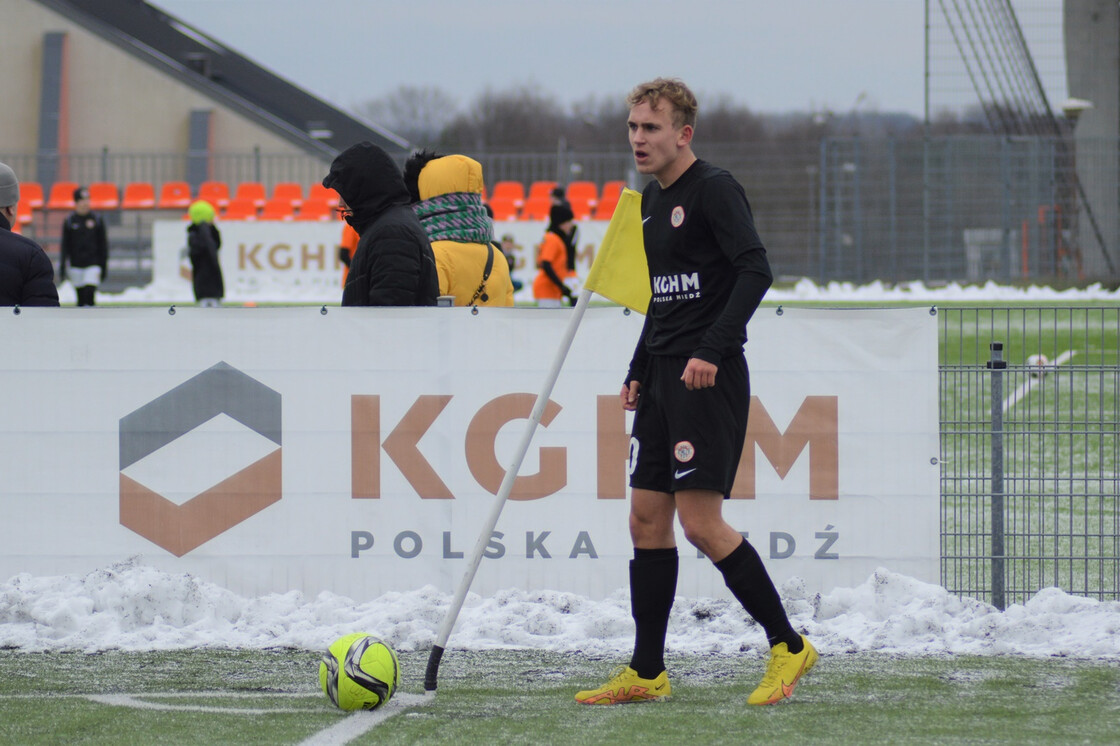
344	255
567	295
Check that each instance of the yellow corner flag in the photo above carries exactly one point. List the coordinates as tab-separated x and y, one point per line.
620	272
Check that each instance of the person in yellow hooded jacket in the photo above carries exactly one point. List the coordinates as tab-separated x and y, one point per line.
446	192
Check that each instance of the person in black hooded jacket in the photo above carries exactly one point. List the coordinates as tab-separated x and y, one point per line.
393	264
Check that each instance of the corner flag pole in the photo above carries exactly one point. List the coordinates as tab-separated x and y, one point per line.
432	671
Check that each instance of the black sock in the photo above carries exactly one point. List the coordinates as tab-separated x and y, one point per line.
747	578
653	586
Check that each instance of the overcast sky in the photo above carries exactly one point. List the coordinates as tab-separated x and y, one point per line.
792	55
772	56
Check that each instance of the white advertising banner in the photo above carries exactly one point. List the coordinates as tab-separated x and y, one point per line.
297	261
358	450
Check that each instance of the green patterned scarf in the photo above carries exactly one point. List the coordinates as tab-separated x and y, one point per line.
457	216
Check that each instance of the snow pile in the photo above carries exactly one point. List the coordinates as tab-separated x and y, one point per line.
132	607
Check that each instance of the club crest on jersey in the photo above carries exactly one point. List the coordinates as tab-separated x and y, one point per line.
684	451
677	217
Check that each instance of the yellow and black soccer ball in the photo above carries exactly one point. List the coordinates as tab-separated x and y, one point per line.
359	672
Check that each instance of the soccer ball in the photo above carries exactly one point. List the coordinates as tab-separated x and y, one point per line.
359	672
1037	365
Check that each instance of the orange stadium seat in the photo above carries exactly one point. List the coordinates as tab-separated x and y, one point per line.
583	196
277	209
290	191
505	208
539	201
138	195
23	211
541	189
214	192
584	190
612	190
31	192
315	209
252	190
62	196
320	192
104	196
536	208
511	190
604	210
174	195
240	208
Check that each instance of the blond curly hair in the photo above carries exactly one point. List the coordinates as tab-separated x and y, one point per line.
681	99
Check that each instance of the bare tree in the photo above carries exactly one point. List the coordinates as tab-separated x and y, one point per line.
598	123
527	119
418	114
723	121
518	118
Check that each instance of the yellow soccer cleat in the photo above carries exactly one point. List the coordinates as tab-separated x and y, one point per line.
626	686
783	672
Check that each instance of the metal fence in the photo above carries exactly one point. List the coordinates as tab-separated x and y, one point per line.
954	208
157	168
1030	452
959	208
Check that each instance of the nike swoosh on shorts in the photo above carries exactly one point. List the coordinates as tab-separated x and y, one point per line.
678	474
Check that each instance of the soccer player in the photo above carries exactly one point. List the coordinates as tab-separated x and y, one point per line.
689	388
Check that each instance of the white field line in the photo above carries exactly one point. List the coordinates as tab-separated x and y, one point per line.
1030	383
141	702
362	722
339	734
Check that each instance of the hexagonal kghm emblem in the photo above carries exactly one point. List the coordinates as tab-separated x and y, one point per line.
198	423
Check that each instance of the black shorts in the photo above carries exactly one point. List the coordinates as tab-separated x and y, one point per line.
683	440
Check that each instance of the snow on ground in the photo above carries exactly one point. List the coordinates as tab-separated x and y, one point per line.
133	607
807	290
803	290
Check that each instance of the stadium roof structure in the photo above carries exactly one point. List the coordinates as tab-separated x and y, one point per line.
219	72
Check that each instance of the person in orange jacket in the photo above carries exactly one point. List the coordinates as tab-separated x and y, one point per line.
347	245
554	259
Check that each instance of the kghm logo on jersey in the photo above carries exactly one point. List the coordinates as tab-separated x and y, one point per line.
676	287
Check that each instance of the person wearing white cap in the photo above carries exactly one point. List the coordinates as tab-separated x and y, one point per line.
26	274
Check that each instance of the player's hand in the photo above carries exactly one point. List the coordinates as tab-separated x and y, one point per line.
699	374
629	396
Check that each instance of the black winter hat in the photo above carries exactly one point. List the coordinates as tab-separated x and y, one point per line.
560	214
81	193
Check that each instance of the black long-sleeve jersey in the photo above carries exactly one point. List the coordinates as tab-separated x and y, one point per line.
708	267
85	242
